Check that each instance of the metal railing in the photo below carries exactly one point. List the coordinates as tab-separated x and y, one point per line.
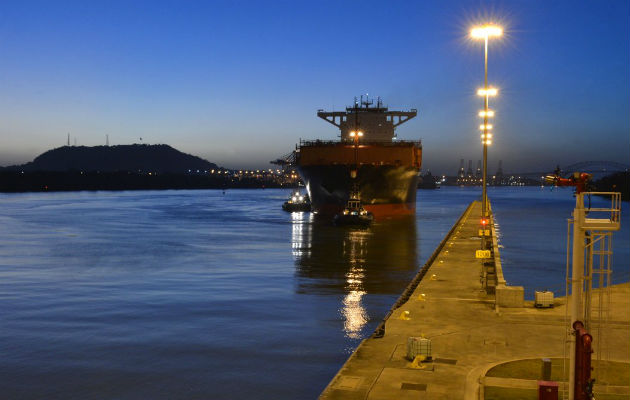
397	143
606	218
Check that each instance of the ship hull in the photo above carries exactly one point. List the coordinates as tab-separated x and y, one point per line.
385	190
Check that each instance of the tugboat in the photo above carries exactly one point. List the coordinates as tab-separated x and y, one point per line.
354	213
297	202
428	181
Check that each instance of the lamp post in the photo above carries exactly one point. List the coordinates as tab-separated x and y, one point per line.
485	32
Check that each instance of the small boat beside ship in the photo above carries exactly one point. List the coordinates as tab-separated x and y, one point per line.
297	202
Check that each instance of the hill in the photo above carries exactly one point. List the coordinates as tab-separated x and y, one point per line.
617	182
138	158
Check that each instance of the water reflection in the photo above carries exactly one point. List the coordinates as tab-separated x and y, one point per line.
301	228
359	265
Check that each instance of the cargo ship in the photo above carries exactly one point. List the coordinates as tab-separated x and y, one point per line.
367	158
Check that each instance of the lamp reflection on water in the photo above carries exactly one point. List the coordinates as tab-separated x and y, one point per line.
354	313
356	274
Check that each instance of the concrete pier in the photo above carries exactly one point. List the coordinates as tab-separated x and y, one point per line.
475	322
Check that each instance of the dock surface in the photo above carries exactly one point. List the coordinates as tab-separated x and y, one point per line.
469	334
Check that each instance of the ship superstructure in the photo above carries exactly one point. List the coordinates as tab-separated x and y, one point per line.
367	157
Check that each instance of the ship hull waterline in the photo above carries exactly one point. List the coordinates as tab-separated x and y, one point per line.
385	190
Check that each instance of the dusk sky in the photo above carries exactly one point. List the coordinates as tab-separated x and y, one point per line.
239	83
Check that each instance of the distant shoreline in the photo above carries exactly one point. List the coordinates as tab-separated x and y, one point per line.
74	181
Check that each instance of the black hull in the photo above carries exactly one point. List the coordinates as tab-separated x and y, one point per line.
384	189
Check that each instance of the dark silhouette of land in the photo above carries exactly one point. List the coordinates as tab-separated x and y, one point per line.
141	158
617	182
124	167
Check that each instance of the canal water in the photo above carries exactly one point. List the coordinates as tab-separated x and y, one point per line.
200	294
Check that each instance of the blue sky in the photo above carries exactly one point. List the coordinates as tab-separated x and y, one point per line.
239	82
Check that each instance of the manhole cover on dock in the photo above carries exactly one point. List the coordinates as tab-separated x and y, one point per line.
421	387
445	361
348	382
495	342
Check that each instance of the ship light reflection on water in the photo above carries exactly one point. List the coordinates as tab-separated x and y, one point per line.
353	311
301	226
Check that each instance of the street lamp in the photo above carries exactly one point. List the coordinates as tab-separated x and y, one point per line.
485	32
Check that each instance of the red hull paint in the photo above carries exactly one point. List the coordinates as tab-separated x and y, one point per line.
380	211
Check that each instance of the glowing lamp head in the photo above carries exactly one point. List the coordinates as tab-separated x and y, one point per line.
485	127
487	92
352	133
488	113
486	31
359	133
484	221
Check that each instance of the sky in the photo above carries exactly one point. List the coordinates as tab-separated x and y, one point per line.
240	82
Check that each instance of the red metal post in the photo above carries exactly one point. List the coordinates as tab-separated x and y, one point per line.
583	350
547	390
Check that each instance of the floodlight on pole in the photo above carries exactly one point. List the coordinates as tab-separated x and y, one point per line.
485	32
488	92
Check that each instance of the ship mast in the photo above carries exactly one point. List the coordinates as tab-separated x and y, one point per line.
355	134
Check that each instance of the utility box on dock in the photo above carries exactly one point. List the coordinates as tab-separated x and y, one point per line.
547	390
509	296
543	299
418	346
545	373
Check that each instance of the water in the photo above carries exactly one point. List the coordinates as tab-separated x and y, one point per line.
533	232
197	295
